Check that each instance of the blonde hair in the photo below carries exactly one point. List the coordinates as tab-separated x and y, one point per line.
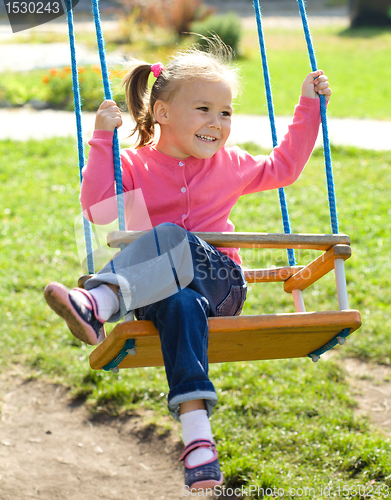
214	65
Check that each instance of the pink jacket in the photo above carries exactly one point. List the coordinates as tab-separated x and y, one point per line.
195	194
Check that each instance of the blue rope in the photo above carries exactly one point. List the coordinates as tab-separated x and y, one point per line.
269	97
129	348
330	344
326	141
108	95
77	105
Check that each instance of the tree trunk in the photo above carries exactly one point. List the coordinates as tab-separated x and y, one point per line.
370	13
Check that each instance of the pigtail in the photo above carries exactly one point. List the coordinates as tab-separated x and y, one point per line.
137	99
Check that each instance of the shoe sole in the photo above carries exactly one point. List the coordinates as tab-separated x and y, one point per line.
209	484
57	297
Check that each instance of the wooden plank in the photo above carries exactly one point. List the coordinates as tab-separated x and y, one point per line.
248	240
239	338
83	279
317	268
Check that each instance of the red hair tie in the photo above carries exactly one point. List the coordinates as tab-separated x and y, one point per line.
157	69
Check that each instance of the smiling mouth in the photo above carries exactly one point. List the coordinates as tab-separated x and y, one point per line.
206	138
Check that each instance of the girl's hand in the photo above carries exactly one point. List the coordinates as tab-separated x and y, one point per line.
108	116
316	83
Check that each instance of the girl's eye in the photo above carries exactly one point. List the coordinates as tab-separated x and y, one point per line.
226	113
203	108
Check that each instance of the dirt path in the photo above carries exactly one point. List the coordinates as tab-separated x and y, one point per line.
372	391
51	449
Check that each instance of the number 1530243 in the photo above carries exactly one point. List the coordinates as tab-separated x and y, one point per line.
16	7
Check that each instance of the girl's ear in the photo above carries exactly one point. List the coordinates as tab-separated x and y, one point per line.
160	111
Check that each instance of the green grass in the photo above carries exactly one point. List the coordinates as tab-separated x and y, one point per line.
355	62
284	424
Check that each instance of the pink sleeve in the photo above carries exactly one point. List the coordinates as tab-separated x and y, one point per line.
97	195
286	162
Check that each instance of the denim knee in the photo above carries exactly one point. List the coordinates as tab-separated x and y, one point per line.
168	236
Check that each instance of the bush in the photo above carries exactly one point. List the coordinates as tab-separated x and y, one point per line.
182	13
174	15
227	27
16	91
53	88
59	92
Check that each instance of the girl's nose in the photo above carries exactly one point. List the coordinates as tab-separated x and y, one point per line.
215	122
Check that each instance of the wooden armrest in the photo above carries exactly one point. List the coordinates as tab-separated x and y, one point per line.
270	275
248	240
317	268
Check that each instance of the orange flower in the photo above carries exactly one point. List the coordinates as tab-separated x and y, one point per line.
67	69
45	79
96	69
53	72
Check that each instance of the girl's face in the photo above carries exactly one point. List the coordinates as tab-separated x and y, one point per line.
197	121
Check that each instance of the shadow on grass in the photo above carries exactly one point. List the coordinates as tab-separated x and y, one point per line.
365	32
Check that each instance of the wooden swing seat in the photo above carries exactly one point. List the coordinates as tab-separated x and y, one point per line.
265	336
244	338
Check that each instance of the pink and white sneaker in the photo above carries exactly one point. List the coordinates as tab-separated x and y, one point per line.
82	317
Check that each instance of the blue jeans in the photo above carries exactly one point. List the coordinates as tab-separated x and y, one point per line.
214	286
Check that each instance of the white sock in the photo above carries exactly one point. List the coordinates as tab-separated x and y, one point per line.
107	300
196	425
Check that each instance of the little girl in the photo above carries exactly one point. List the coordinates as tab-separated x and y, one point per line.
190	180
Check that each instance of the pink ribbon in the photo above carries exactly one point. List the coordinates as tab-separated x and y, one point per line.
156	69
